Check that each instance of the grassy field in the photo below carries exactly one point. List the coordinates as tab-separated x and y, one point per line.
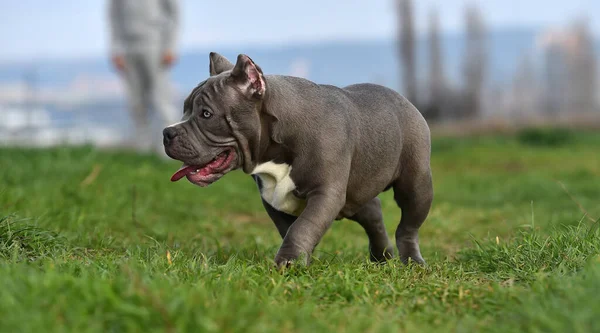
94	241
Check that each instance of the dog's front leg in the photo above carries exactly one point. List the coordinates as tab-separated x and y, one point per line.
306	232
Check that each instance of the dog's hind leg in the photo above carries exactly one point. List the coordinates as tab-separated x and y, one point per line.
413	194
371	219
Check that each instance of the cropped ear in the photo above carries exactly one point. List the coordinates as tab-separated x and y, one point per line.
249	76
218	64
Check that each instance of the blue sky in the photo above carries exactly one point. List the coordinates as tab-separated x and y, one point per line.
33	29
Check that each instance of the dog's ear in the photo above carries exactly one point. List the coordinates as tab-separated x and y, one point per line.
218	64
249	76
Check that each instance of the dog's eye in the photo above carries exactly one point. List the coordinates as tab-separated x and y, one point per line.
206	114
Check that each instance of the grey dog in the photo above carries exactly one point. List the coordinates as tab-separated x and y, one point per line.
318	153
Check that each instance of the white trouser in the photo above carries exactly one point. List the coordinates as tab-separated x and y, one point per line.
148	89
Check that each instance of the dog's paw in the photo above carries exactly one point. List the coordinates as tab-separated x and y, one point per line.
417	260
408	251
382	256
284	262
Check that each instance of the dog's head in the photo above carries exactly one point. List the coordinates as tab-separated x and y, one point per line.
221	122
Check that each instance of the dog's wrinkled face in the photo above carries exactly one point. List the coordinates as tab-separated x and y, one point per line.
220	122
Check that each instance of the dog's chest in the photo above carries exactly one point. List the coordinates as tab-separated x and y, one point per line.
277	187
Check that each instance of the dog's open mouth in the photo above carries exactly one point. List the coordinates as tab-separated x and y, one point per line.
204	175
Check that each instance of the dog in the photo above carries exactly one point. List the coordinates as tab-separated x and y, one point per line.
318	153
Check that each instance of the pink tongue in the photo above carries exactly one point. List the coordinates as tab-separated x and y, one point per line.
182	172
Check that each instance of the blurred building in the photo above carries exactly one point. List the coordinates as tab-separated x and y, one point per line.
569	71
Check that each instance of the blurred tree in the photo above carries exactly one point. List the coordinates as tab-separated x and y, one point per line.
407	49
437	80
475	63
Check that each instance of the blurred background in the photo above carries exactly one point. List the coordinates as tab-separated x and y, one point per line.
462	63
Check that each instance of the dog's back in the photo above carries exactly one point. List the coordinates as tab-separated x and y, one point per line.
382	130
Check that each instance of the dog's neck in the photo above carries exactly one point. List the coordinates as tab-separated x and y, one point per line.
271	146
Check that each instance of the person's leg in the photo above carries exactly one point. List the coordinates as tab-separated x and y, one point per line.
138	107
160	96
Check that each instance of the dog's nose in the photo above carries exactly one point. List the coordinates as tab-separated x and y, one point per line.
169	134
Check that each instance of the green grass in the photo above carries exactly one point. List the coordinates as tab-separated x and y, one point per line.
94	241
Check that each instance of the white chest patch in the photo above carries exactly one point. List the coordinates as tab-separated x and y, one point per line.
277	187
